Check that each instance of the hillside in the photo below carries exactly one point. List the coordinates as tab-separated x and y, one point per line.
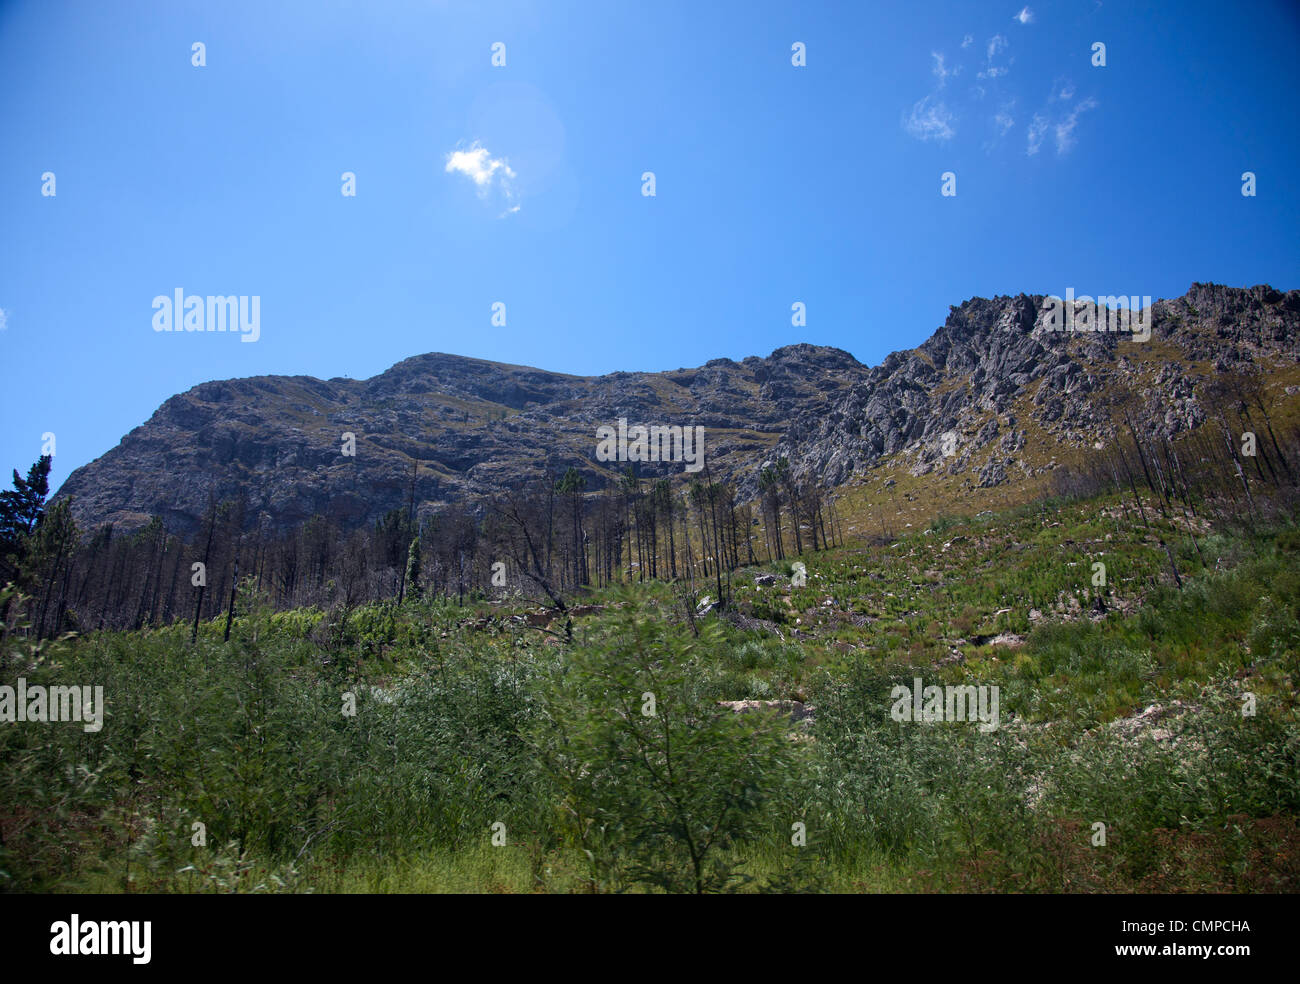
433	747
1016	397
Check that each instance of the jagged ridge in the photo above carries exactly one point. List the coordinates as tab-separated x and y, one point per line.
476	426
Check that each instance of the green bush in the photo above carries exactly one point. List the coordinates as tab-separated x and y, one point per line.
1274	631
656	783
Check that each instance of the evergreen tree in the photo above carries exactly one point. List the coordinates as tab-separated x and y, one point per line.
22	507
21	511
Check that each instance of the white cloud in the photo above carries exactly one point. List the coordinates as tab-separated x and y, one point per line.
486	171
1037	128
997	44
477	165
1062	89
1065	129
4	319
940	72
1026	16
968	40
930	121
1000	124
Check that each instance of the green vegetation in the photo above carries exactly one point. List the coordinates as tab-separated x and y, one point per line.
606	764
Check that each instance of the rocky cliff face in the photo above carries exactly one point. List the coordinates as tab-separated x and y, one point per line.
994	383
997	372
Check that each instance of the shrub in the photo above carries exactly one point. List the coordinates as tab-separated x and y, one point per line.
1274	630
657	794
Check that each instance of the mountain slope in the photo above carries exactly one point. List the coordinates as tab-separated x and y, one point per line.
1012	394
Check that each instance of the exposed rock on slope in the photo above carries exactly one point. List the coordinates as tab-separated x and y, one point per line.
989	375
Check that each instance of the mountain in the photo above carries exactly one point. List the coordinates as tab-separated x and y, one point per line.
1005	395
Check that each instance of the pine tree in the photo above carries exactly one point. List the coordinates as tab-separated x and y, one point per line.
22	507
21	511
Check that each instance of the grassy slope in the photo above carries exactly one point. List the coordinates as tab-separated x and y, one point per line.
935	603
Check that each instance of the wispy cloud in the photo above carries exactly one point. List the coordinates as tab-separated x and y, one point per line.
487	172
1037	128
939	71
930	121
1003	120
1062	90
1026	16
1065	129
997	44
1000	124
930	118
4	319
938	115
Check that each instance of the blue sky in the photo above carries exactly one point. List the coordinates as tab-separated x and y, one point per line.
774	183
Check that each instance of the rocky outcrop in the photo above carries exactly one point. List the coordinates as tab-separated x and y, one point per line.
995	354
962	403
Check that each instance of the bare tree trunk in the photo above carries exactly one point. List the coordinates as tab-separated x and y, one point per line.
234	586
207	553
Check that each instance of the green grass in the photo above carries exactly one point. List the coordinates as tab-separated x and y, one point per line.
460	710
